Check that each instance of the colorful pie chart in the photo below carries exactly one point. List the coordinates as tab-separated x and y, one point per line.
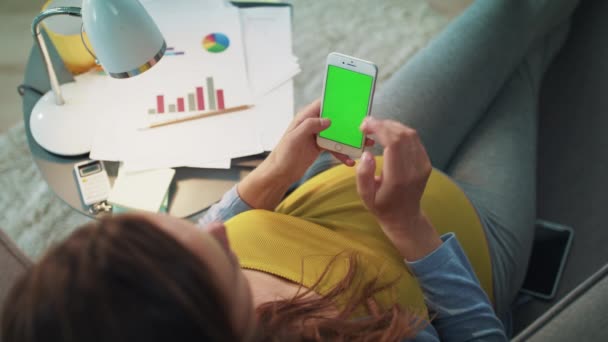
216	42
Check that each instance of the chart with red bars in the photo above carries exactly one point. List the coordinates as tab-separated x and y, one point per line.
203	98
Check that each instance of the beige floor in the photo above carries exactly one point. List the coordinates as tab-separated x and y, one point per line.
15	41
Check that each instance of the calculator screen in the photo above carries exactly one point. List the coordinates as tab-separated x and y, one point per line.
89	169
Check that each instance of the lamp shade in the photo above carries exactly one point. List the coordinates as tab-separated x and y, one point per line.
124	37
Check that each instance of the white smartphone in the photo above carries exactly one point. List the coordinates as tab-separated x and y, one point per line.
348	91
549	252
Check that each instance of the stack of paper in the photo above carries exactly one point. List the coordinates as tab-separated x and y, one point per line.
218	57
144	190
271	65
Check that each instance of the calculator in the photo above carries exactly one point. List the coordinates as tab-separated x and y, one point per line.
93	181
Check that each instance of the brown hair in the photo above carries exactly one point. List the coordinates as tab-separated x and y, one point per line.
123	279
119	279
305	318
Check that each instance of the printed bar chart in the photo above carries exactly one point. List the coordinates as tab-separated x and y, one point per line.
204	98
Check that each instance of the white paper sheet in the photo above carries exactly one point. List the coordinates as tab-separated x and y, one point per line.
275	112
268	47
206	5
270	65
123	105
199	143
134	166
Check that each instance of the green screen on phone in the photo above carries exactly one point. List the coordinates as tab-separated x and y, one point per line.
347	95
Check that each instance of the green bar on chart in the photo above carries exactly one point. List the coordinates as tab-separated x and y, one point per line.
211	93
152	111
171	108
191	106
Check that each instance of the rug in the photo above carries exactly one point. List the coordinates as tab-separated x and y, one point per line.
386	32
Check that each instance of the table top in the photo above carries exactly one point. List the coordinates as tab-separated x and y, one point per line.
193	190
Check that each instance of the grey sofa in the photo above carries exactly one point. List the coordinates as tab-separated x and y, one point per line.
579	316
573	160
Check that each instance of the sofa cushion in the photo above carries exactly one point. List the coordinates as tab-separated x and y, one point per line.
12	264
580	316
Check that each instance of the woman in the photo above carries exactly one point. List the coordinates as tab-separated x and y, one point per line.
349	253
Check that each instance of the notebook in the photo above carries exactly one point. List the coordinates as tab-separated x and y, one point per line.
143	190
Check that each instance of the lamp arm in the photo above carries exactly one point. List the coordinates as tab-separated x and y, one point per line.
72	11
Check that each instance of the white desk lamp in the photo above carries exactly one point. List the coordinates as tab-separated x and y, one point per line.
126	41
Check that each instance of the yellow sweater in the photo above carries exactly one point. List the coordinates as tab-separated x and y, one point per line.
325	217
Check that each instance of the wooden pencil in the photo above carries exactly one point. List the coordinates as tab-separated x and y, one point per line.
199	116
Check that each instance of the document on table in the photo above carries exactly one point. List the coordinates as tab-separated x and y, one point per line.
271	66
141	190
188	79
217	57
268	47
275	114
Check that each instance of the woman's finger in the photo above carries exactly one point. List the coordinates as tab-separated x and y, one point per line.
366	180
369	142
311	111
346	160
312	126
387	132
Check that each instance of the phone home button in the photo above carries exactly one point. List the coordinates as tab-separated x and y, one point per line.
338	147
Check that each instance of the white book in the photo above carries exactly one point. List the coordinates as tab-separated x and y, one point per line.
144	190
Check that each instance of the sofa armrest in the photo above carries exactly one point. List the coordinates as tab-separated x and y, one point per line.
12	264
580	316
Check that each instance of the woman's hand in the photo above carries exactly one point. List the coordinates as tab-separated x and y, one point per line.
298	149
394	196
294	154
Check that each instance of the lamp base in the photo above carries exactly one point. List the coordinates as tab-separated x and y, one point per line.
64	129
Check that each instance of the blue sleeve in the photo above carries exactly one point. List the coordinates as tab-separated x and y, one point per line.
230	205
459	307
